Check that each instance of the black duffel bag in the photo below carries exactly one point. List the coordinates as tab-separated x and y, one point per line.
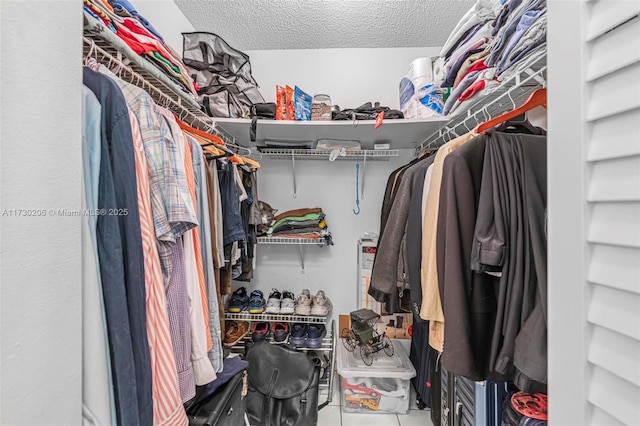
366	111
282	386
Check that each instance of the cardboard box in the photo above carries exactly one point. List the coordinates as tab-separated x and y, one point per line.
388	322
366	253
344	321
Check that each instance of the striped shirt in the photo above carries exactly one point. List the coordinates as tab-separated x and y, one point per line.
167	407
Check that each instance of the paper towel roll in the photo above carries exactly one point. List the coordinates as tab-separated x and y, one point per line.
420	69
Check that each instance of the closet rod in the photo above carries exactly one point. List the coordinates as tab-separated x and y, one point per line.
115	63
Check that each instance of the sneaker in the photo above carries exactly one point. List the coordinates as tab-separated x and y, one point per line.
303	303
260	331
287	305
239	301
315	334
273	303
280	331
234	332
321	305
256	302
298	334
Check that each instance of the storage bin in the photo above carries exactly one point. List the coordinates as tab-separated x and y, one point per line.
383	387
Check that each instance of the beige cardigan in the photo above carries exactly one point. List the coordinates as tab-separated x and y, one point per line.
431	308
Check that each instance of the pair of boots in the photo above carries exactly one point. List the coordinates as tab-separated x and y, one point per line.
398	324
394	328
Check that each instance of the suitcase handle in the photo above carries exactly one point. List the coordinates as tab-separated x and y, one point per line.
458	415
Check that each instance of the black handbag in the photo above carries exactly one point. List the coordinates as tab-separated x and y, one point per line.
282	386
264	111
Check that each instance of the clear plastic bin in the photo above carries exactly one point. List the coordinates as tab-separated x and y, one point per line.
383	387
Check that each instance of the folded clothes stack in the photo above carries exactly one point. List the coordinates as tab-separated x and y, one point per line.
121	18
301	223
494	40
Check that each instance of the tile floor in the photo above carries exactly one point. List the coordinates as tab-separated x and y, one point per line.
332	414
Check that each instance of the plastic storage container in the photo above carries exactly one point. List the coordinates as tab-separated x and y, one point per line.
383	387
321	107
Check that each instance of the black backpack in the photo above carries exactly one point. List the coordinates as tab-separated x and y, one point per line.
227	88
282	386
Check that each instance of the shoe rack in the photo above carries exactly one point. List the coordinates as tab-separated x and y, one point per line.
327	347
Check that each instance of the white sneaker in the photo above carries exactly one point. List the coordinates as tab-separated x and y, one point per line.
273	303
303	303
321	304
287	305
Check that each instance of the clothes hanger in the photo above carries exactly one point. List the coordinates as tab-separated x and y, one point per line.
209	147
218	142
252	163
536	99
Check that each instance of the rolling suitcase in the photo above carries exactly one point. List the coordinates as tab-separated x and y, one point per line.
221	402
469	403
436	387
226	407
420	357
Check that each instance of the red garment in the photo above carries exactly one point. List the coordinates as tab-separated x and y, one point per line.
478	66
472	90
148	39
135	28
129	39
145	38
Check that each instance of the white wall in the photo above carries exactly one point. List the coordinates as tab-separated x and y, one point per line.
350	76
40	168
331	186
167	19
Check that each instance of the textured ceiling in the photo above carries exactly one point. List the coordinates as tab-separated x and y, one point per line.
322	24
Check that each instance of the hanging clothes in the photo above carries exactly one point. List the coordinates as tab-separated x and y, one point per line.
165	388
121	260
509	237
468	300
414	235
431	308
164	181
167	409
390	274
213	205
98	405
491	210
199	311
180	327
204	232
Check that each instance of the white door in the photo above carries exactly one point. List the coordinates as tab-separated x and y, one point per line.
594	212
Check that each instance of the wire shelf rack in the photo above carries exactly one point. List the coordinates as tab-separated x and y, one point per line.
510	95
246	316
321	154
282	240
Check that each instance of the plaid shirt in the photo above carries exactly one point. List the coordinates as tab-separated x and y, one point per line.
172	207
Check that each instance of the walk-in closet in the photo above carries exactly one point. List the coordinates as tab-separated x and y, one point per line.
320	213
